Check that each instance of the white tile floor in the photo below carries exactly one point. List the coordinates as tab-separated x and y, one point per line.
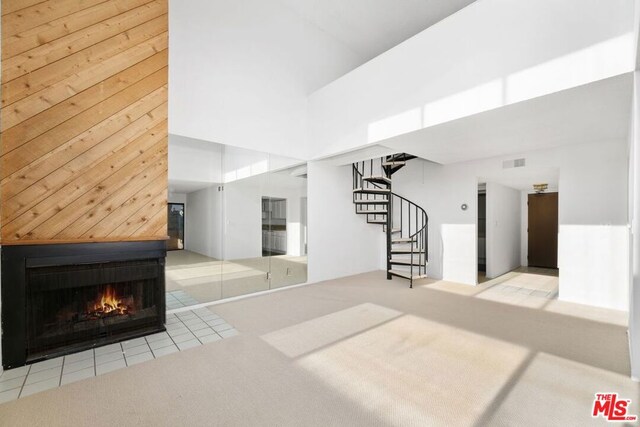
524	287
184	330
179	299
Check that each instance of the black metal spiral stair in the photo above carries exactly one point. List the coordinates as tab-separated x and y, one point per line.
404	222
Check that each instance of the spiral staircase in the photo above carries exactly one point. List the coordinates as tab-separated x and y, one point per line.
404	222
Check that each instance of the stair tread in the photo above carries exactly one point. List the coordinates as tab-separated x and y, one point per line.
396	163
372	190
371	202
378	179
372	212
404	156
407	251
407	275
377	221
403	240
396	230
405	262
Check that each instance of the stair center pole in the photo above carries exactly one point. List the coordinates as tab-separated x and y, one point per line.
389	219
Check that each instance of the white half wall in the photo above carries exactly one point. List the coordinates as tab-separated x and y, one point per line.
594	265
503	229
341	243
459	249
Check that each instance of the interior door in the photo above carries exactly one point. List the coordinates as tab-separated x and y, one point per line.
543	230
175	225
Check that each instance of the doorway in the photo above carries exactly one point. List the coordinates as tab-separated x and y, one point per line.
274	226
543	230
482	233
175	223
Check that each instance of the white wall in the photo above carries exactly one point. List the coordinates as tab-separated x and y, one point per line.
240	72
524	225
341	243
240	163
634	219
194	161
590	172
490	54
457	250
503	229
243	213
1	369
203	222
243	218
178	198
594	265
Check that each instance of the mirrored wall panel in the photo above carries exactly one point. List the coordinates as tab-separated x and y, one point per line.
245	270
287	229
194	268
238	222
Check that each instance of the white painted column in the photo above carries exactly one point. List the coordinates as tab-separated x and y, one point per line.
634	213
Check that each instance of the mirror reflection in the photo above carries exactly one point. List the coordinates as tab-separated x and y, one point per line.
237	222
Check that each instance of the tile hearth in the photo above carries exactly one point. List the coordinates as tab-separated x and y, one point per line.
179	299
184	330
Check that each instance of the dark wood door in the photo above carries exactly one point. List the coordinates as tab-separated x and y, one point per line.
543	230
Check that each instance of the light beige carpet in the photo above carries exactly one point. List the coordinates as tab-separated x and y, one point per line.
361	351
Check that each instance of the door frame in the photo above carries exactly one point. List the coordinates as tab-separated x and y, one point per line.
184	225
526	230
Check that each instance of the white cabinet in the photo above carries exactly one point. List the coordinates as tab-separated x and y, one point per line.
281	241
275	241
279	209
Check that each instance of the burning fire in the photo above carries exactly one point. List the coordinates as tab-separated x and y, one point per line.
109	303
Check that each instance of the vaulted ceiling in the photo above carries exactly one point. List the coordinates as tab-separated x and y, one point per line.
371	27
241	71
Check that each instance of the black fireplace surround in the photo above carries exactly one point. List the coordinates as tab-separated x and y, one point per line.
63	298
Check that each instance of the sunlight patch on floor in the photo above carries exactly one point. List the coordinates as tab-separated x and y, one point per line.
530	288
404	369
322	331
557	391
598	314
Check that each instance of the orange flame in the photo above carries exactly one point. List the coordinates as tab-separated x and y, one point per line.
110	302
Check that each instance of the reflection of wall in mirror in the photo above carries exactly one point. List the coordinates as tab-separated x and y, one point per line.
244	214
203	224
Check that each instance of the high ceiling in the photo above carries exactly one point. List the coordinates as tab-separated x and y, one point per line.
371	27
241	71
597	111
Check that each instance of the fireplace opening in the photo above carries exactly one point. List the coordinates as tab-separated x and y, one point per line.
74	299
72	304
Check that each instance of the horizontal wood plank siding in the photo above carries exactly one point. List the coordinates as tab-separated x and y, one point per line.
83	121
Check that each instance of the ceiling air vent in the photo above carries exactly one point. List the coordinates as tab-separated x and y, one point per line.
515	163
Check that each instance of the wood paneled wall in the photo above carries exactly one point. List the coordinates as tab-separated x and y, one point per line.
83	120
